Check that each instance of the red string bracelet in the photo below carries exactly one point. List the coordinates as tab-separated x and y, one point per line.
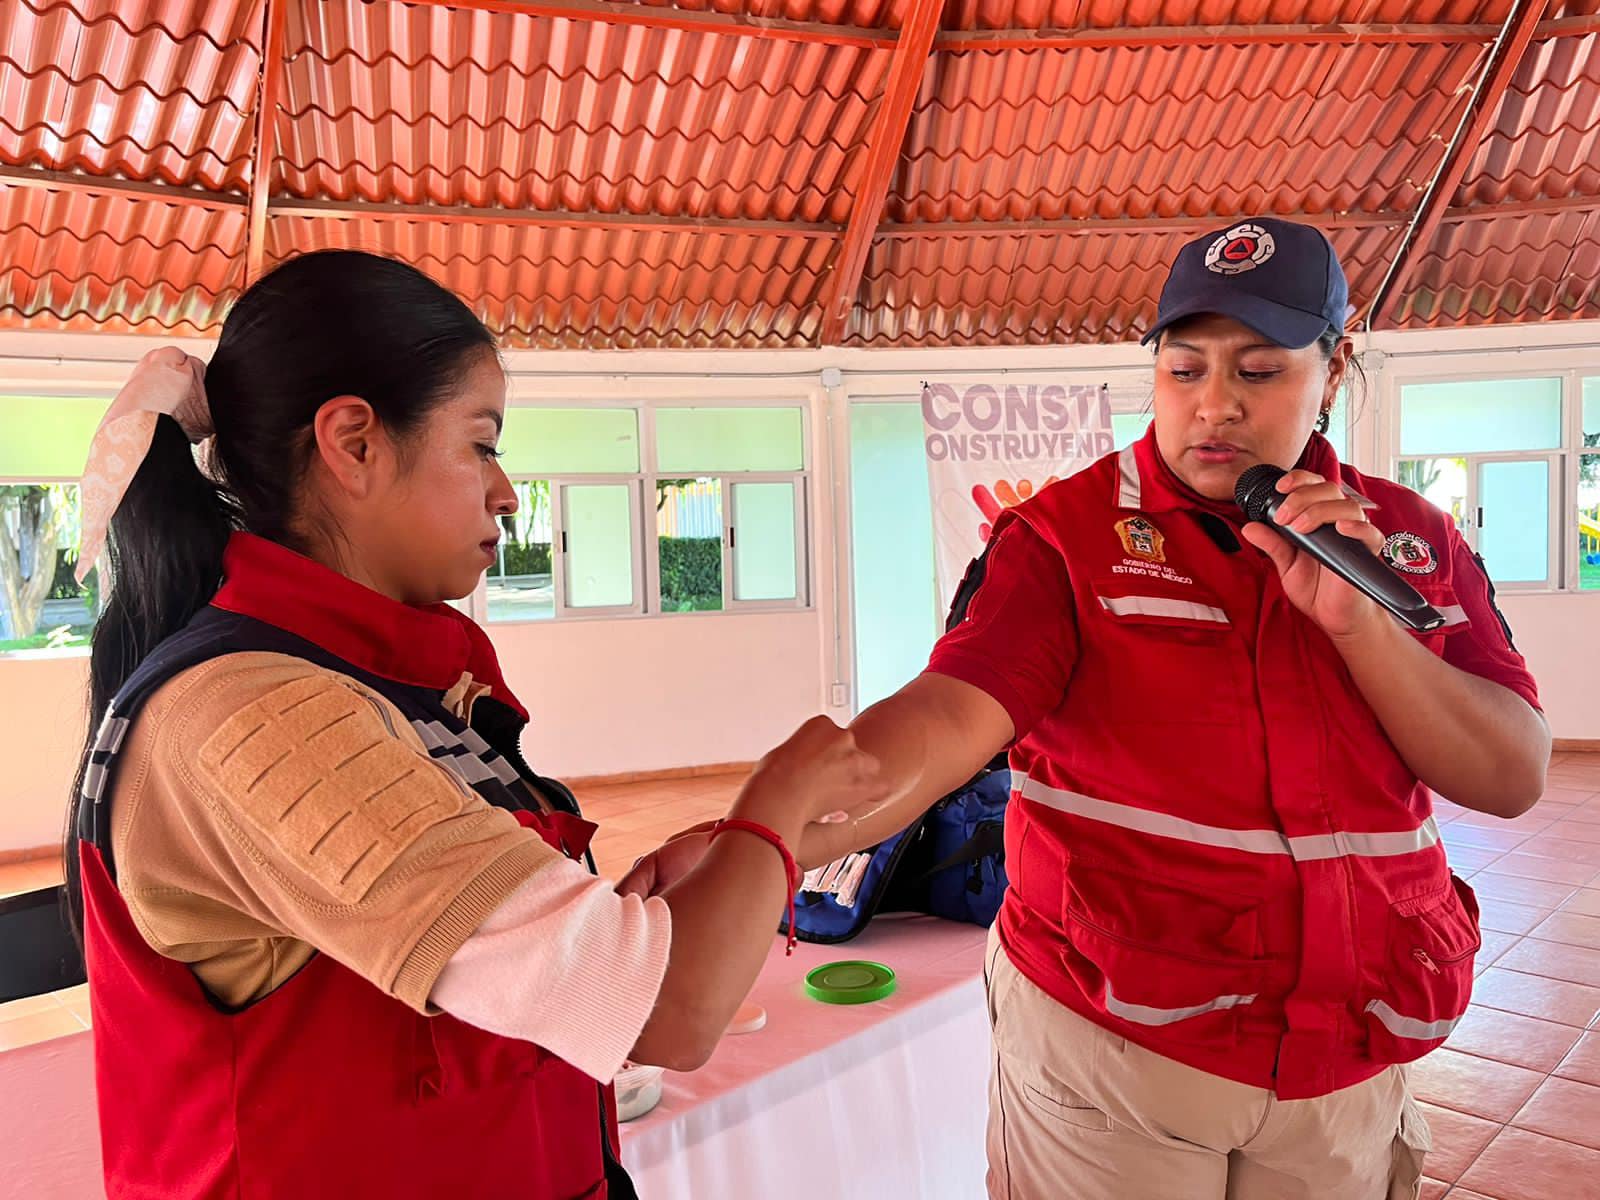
790	867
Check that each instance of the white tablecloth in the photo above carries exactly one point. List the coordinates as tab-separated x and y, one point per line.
864	1102
880	1101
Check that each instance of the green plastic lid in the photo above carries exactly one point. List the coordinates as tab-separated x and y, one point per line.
849	982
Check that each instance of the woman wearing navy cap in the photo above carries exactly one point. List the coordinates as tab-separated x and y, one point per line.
1230	920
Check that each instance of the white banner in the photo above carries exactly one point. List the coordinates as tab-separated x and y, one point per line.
990	447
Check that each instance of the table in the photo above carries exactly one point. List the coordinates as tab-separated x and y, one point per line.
836	1102
880	1101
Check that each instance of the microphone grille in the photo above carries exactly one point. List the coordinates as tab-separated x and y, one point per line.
1255	490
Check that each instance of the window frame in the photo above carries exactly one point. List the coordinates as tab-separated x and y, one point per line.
801	514
801	600
1571	365
1575	542
478	602
559	553
801	479
1472	527
653	547
646	549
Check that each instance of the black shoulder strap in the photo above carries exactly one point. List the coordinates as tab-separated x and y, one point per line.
1500	616
977	571
970	583
212	632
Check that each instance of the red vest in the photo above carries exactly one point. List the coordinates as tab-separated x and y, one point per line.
327	1087
1214	849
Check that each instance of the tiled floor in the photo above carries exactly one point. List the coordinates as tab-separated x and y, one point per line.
39	1018
636	818
29	876
1513	1099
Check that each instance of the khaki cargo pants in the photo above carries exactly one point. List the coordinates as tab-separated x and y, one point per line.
1078	1113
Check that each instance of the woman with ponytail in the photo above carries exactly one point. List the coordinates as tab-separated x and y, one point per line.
341	940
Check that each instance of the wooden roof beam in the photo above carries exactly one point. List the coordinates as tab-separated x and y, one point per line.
108	185
273	19
684	20
1334	34
883	148
1505	56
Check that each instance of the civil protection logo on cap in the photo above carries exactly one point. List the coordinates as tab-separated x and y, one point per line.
1242	248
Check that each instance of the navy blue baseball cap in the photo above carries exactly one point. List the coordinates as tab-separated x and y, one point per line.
1280	278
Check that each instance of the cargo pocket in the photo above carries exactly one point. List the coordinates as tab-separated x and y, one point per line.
1180	962
1412	1141
1428	981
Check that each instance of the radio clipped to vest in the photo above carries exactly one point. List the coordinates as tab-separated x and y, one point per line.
950	862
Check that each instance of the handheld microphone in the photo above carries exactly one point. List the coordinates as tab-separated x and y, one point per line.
1257	494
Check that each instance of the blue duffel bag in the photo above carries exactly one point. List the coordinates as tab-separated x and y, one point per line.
950	862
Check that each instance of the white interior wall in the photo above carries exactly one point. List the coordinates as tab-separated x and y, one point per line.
654	692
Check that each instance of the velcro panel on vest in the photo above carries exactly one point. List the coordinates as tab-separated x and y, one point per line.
321	770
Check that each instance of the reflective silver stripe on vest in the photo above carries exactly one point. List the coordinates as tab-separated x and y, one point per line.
1162	606
1142	820
503	771
1453	615
1311	847
467	766
1410	1027
1143	1014
1128	479
1306	848
113	730
94	781
467	754
108	740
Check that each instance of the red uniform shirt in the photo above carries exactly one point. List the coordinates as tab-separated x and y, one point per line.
1214	849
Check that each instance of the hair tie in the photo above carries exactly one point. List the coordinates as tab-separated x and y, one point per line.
167	382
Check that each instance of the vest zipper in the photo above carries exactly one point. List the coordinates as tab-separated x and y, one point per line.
378	708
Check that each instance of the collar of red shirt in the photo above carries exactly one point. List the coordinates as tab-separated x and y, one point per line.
1160	489
422	646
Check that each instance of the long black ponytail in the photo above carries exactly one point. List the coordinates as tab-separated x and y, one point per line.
332	323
